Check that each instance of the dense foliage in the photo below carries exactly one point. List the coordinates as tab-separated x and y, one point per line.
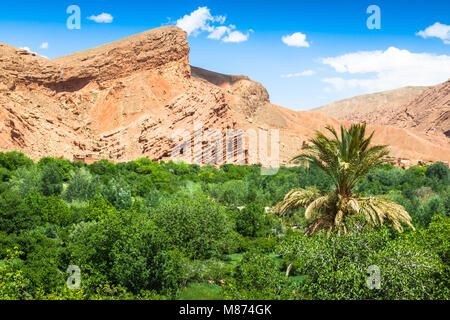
147	230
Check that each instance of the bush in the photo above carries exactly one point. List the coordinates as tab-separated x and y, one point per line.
252	221
258	278
336	267
199	226
207	270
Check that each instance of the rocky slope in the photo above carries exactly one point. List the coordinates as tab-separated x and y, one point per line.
428	113
357	108
425	110
127	100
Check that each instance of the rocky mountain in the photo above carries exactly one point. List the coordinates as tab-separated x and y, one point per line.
139	97
424	110
429	113
356	109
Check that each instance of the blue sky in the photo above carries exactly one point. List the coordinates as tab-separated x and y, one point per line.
337	55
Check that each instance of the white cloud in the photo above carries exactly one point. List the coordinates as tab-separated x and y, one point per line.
102	18
44	45
392	69
236	36
437	30
196	22
297	39
218	32
26	49
306	73
201	20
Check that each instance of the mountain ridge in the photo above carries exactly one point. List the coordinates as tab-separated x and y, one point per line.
125	100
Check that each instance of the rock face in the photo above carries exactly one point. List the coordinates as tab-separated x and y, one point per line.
428	113
423	110
357	108
137	97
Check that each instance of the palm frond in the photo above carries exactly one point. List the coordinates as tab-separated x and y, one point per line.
297	198
383	211
324	222
318	205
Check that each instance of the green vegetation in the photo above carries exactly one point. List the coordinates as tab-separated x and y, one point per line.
147	230
346	160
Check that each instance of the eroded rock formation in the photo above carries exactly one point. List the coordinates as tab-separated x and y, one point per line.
125	100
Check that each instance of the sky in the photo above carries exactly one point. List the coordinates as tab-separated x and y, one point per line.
306	53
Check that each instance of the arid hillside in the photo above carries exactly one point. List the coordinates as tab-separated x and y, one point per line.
424	110
428	113
356	108
126	100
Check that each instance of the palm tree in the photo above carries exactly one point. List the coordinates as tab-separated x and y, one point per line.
346	160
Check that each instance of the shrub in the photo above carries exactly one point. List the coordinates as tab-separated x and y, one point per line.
252	221
336	267
258	278
198	225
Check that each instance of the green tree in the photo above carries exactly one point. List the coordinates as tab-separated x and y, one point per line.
118	194
13	285
81	186
257	278
439	171
15	214
65	167
14	160
50	209
252	221
346	160
198	226
51	180
25	180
